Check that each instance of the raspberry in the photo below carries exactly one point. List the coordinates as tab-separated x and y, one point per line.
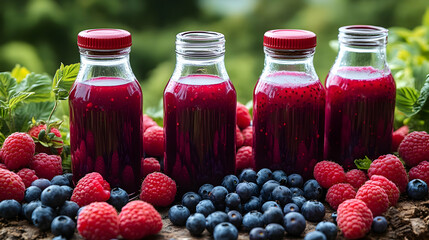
150	165
46	166
148	122
374	197
420	171
328	173
243	116
239	138
2	166
398	136
414	148
153	139
248	136
391	167
356	178
139	219
27	175
11	186
98	221
339	193
244	158
91	188
158	189
17	151
34	132
354	218
388	186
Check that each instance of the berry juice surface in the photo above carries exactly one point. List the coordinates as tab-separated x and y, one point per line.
288	120
106	130
199	128
360	105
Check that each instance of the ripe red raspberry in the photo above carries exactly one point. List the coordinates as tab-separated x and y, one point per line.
11	186
339	193
414	148
27	175
388	186
244	158
17	150
158	189
398	136
34	132
391	167
148	122
239	138
46	166
243	116
356	178
420	171
354	218
150	165
98	221
2	166
91	188
139	219
153	139
374	197
328	173
248	136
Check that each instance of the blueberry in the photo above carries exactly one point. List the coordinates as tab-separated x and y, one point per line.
190	200
282	195
42	217
59	238
68	191
379	224
296	192
230	182
254	188
60	180
32	193
53	196
315	235
269	204
235	218
268	188
280	176
41	183
205	207
225	231
254	203
275	231
196	224
69	209
217	196
272	215
329	229
290	207
252	219
299	201
248	175
205	190
334	216
69	177
263	176
417	189
63	226
29	208
118	198
232	200
313	211
178	215
10	209
214	219
312	190
295	180
258	233
294	223
244	190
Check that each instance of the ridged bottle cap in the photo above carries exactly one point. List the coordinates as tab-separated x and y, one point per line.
104	39
289	39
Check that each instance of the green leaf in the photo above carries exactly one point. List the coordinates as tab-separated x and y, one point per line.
363	164
7	85
17	98
64	79
422	105
40	84
426	18
406	97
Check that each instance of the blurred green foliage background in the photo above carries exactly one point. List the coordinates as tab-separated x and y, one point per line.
39	34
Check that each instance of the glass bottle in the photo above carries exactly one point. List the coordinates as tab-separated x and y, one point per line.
360	97
288	105
106	120
199	113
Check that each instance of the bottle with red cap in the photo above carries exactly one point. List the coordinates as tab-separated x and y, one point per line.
288	105
106	110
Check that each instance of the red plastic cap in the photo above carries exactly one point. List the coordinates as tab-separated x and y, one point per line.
107	39
289	39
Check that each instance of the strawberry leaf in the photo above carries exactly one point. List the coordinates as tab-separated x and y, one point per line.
406	97
64	79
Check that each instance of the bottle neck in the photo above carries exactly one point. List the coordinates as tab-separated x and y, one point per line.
186	66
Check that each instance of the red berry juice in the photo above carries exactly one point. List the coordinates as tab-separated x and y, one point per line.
288	121
199	126
106	130
360	103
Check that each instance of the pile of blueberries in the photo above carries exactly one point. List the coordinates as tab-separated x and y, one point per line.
47	205
266	204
